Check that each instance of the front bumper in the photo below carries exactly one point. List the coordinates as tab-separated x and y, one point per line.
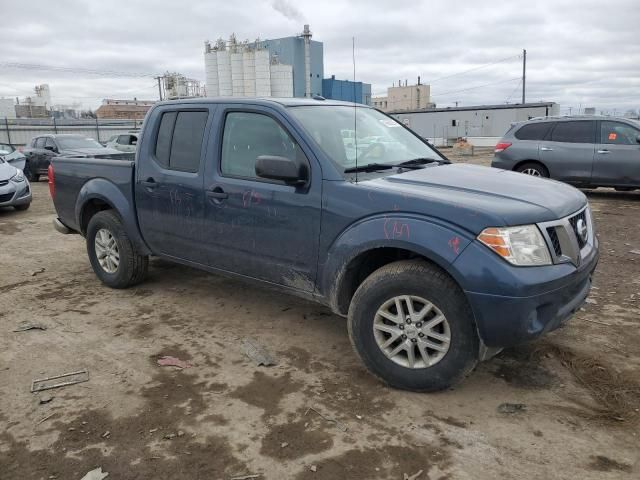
15	194
522	303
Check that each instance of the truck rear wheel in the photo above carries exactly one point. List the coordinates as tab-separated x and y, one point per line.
111	253
412	327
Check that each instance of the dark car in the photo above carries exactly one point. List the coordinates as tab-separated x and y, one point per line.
586	151
44	147
436	265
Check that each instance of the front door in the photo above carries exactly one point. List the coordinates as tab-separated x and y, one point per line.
169	184
261	228
568	152
617	160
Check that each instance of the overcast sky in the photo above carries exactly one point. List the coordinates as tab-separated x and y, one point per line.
579	52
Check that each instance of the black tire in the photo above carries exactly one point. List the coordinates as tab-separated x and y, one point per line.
24	206
419	278
132	268
533	167
31	176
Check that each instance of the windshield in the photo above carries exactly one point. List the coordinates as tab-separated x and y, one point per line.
344	133
5	149
71	143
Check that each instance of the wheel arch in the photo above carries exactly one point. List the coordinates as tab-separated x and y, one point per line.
536	161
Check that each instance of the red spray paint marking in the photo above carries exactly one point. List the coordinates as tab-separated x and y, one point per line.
395	229
250	197
454	243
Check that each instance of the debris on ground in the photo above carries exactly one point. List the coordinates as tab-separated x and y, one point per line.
58	381
338	424
96	474
412	477
180	433
635	252
313	468
591	301
45	418
168	361
36	272
45	399
169	436
257	352
284	445
24	326
512	408
106	434
247	477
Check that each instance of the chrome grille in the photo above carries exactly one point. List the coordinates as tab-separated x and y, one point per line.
564	240
574	225
555	241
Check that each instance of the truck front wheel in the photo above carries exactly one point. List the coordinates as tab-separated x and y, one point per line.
412	327
111	253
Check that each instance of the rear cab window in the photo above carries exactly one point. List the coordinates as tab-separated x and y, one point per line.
581	131
533	131
179	141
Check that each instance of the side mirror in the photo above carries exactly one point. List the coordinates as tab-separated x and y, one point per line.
638	139
281	168
50	148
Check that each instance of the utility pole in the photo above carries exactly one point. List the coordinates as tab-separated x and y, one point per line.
159	88
524	73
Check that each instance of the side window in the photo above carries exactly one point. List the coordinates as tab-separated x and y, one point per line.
533	131
49	143
179	142
616	133
247	136
40	142
123	139
574	132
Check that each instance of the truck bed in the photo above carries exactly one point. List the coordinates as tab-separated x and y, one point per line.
73	173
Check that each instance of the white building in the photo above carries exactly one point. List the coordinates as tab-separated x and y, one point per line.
7	108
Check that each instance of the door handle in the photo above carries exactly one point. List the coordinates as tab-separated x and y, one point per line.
546	149
149	183
603	152
217	194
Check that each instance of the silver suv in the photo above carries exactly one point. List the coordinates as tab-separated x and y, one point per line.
585	151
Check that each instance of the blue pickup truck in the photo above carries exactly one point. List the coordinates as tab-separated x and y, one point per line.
435	265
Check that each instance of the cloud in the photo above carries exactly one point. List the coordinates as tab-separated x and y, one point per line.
288	10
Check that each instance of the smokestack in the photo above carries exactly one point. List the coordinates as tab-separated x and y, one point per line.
306	35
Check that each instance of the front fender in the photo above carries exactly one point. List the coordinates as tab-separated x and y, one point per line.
437	241
105	191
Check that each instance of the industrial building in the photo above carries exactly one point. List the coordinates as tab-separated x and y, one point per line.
124	109
405	98
7	108
482	124
283	67
346	90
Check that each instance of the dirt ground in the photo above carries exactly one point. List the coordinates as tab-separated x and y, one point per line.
317	414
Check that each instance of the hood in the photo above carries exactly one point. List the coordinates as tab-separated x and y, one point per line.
484	196
90	151
6	171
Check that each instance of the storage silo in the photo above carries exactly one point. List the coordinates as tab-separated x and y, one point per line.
225	88
237	77
249	72
211	72
263	76
281	80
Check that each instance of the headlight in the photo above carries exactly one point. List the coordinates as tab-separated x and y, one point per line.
522	246
18	177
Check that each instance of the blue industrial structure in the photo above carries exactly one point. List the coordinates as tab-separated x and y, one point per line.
346	90
290	51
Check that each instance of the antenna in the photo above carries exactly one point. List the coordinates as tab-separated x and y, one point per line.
355	111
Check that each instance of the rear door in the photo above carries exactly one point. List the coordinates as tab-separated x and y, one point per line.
261	228
529	137
617	159
37	154
569	149
169	187
50	151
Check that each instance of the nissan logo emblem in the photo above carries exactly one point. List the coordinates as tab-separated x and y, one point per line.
581	230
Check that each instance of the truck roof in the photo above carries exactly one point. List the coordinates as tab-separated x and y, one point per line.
286	102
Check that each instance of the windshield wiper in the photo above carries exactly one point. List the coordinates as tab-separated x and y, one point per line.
416	162
369	167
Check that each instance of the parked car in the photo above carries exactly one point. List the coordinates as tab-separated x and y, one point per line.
15	190
436	265
125	143
12	156
44	147
586	151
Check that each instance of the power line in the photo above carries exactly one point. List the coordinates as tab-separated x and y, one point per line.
477	86
475	68
514	91
89	71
